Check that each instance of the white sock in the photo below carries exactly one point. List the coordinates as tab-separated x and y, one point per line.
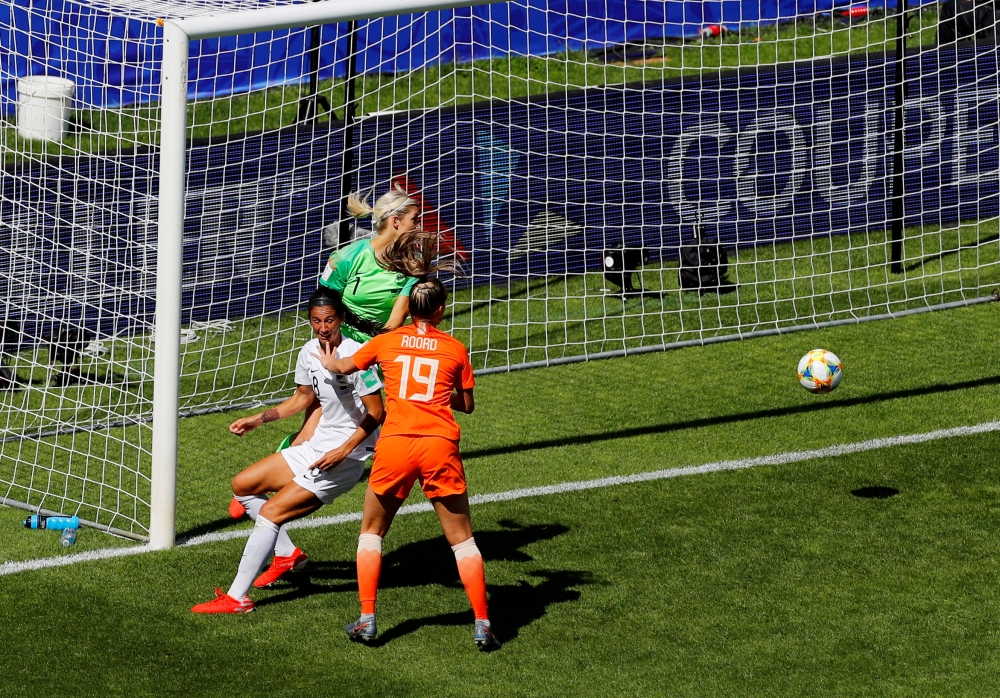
252	503
369	541
255	554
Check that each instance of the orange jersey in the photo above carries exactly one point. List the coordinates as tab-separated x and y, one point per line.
422	366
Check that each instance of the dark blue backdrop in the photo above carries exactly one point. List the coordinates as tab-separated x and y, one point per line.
528	187
114	60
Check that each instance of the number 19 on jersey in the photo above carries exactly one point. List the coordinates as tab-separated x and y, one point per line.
421	371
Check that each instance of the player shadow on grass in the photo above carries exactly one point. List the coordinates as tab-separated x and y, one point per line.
210	527
512	606
431	562
828	404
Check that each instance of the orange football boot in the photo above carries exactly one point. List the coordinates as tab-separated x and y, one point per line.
296	561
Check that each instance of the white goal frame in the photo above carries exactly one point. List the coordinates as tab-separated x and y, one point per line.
177	35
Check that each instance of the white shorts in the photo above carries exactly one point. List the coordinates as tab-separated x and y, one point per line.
327	485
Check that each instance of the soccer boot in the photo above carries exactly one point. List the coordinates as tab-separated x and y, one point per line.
484	638
362	630
279	565
236	508
224	603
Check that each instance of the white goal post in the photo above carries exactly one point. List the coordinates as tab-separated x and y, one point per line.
177	35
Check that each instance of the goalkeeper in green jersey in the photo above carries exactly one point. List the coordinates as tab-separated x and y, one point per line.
373	276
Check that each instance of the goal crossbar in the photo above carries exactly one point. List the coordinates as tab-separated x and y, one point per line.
307	14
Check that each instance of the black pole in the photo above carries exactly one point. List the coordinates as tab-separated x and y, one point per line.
309	104
314	40
898	182
350	109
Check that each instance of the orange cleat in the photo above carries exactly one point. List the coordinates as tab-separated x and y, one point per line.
236	510
224	603
296	561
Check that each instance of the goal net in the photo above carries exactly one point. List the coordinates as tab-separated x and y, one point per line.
613	178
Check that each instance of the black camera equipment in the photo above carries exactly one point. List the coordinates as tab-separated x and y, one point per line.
619	265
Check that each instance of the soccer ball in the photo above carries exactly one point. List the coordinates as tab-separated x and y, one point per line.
820	371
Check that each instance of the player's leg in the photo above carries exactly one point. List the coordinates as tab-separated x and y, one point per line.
291	502
313	413
379	511
391	480
306	493
250	486
326	485
269	474
442	478
453	513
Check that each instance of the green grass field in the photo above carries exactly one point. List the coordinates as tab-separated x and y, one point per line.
784	285
774	580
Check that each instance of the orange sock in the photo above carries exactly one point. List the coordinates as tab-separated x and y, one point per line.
473	574
369	568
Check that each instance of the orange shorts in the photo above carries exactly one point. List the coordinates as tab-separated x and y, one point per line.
402	460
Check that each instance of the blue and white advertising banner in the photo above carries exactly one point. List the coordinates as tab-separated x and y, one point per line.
524	188
114	56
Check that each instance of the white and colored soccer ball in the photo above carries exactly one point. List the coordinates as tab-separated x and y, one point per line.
820	371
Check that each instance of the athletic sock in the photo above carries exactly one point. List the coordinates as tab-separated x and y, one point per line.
369	568
252	503
473	575
255	554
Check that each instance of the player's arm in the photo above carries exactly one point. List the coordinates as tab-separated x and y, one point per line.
400	309
335	274
349	364
300	400
375	414
462	400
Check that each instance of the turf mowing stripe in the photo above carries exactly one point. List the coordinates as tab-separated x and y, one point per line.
718	466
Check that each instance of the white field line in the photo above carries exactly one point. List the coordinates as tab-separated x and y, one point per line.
718	466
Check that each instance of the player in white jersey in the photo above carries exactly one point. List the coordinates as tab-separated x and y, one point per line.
307	476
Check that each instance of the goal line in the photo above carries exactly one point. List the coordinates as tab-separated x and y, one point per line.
541	491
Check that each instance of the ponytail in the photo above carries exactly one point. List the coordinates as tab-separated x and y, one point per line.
426	297
394	202
358	207
413	254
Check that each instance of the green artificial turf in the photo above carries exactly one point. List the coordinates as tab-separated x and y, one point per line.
782	285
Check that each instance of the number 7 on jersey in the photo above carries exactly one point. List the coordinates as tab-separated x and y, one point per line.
413	367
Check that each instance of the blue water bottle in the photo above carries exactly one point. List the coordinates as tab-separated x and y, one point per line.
68	537
52	523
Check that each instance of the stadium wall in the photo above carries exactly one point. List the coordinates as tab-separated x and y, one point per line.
527	188
114	56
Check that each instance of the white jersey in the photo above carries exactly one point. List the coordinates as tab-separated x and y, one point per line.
339	398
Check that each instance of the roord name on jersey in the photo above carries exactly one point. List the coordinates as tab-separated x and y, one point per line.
415	342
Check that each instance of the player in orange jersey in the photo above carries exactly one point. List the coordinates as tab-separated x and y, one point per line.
427	375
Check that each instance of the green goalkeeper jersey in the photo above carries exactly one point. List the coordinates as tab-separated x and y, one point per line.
368	290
